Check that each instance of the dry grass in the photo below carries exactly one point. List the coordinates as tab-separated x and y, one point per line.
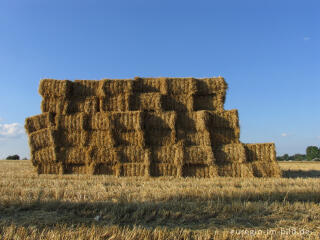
107	207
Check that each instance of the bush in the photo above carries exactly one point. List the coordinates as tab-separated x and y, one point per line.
13	157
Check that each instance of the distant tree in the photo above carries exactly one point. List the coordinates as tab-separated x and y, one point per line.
24	158
312	152
13	157
299	157
285	157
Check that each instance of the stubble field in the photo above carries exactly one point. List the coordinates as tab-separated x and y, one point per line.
105	207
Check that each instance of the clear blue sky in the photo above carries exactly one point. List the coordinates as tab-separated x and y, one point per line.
267	50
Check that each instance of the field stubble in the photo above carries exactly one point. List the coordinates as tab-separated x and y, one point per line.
107	207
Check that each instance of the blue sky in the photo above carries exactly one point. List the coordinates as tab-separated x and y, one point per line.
267	50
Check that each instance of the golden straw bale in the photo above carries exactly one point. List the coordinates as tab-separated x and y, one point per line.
235	170
84	104
181	102
77	121
199	155
200	171
75	169
50	168
45	155
101	138
160	120
145	85
146	102
42	138
160	137
118	103
266	169
38	122
133	154
224	119
85	88
55	88
131	120
55	105
132	169
211	85
74	155
163	169
129	138
181	86
112	87
99	121
194	138
264	152
221	136
230	153
102	169
69	138
192	121
171	154
213	102
102	155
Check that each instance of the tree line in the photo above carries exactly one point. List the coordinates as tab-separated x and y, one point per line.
312	154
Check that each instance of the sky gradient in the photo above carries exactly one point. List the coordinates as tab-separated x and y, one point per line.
268	52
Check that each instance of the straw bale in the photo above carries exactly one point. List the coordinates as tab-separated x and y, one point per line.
266	169
181	86
200	171
144	85
38	122
85	88
112	87
127	121
74	155
164	169
55	88
160	137
230	153
101	138
55	105
102	155
66	138
42	138
211	85
221	136
199	155
172	154
75	169
129	138
181	102
160	120
194	138
146	102
99	121
192	121
213	102
77	121
84	104
102	169
235	170
132	169
118	103
50	168
224	119
45	155
133	154
264	152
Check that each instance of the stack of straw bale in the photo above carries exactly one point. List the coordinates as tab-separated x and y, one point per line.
142	127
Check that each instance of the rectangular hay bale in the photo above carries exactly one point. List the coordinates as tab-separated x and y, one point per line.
164	169
211	85
167	154
230	153
181	86
77	121
42	138
200	171
221	136
104	155
132	169
264	152
133	154
224	119
112	87
99	121
50	168
101	138
74	155
160	137
75	169
213	102
85	88
38	122
147	85
146	102
55	105
118	103
71	138
194	138
182	102
45	155
192	121
160	120
127	121
129	138
199	155
235	170
55	88
87	105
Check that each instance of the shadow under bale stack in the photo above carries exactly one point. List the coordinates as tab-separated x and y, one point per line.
143	127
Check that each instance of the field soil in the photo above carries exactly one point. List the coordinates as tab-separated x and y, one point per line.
106	207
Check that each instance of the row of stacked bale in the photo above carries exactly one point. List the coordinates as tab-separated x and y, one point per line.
142	127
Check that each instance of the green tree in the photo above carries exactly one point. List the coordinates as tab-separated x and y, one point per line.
13	157
312	152
285	157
